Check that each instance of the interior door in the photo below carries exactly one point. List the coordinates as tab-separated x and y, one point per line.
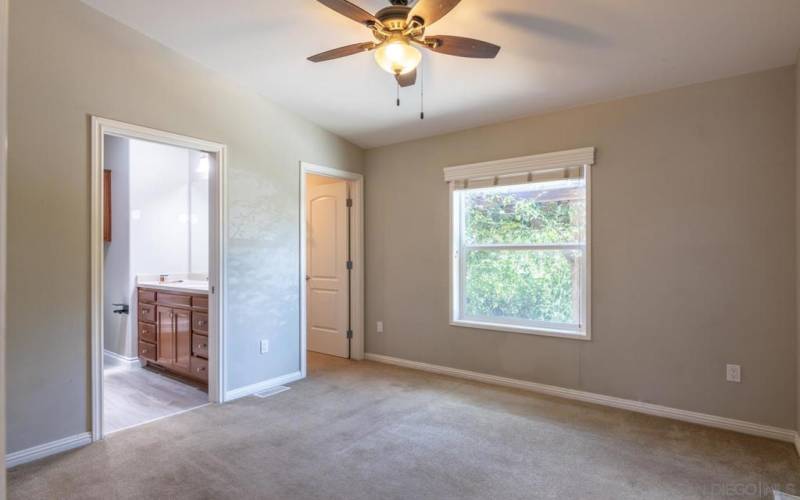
328	301
165	335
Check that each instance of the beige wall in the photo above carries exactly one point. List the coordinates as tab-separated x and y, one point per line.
69	62
693	249
797	222
3	194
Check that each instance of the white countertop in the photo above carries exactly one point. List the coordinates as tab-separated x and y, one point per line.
186	286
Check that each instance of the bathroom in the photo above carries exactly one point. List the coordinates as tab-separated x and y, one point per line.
155	281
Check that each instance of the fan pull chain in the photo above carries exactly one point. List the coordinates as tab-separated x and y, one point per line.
398	94
421	92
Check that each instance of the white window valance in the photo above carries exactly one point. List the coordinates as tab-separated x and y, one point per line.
536	168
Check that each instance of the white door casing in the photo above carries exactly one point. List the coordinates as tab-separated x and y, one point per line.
217	251
327	281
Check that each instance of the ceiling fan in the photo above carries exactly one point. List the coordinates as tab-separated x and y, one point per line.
397	29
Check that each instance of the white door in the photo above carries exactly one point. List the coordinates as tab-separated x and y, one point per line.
328	301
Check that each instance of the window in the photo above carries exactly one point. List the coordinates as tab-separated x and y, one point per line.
520	252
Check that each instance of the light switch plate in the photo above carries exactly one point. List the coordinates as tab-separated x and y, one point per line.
380	327
733	373
264	346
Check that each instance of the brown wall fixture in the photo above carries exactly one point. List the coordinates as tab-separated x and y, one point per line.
107	205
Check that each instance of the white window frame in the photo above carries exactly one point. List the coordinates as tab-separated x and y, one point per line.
531	164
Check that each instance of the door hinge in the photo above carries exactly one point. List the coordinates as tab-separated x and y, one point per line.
349	334
349	265
349	202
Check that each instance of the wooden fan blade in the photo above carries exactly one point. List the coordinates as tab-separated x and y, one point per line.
407	80
347	9
349	50
463	47
432	10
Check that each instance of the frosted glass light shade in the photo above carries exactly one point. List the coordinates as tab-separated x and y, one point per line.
398	57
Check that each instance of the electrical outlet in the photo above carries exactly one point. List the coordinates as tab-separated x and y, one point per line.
734	373
380	327
264	346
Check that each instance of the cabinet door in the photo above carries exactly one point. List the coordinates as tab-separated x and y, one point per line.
183	337
166	335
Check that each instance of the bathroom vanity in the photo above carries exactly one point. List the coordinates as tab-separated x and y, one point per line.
173	328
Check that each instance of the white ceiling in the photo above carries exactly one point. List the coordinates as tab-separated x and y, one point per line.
556	54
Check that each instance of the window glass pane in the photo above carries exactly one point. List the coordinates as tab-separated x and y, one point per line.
524	285
544	213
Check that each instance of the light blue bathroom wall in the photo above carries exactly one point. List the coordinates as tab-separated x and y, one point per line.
263	244
263	276
263	261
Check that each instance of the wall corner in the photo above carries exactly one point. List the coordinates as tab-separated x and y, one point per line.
797	242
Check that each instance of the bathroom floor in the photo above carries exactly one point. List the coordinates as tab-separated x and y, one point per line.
133	395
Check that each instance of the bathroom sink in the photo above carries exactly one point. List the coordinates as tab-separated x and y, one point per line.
187	285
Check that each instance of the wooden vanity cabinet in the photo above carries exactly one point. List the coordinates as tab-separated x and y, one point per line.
173	332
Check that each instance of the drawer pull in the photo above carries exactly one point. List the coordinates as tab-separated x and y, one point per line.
200	322
201	368
145	309
145	350
202	346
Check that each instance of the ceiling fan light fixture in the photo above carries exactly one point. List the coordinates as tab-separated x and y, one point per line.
397	56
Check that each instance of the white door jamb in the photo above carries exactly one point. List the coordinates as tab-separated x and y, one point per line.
217	238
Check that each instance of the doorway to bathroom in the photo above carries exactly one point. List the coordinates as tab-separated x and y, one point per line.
157	341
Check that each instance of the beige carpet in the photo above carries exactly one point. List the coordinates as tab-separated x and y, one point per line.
368	431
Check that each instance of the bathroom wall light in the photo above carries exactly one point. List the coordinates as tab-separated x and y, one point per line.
204	166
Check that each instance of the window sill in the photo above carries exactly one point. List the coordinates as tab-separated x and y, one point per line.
545	332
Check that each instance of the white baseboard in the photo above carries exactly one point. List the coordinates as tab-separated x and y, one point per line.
47	449
120	357
788	435
260	386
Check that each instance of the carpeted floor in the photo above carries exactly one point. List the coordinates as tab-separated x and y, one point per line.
368	431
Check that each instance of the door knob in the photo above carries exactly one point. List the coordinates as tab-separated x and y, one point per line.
123	309
308	278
